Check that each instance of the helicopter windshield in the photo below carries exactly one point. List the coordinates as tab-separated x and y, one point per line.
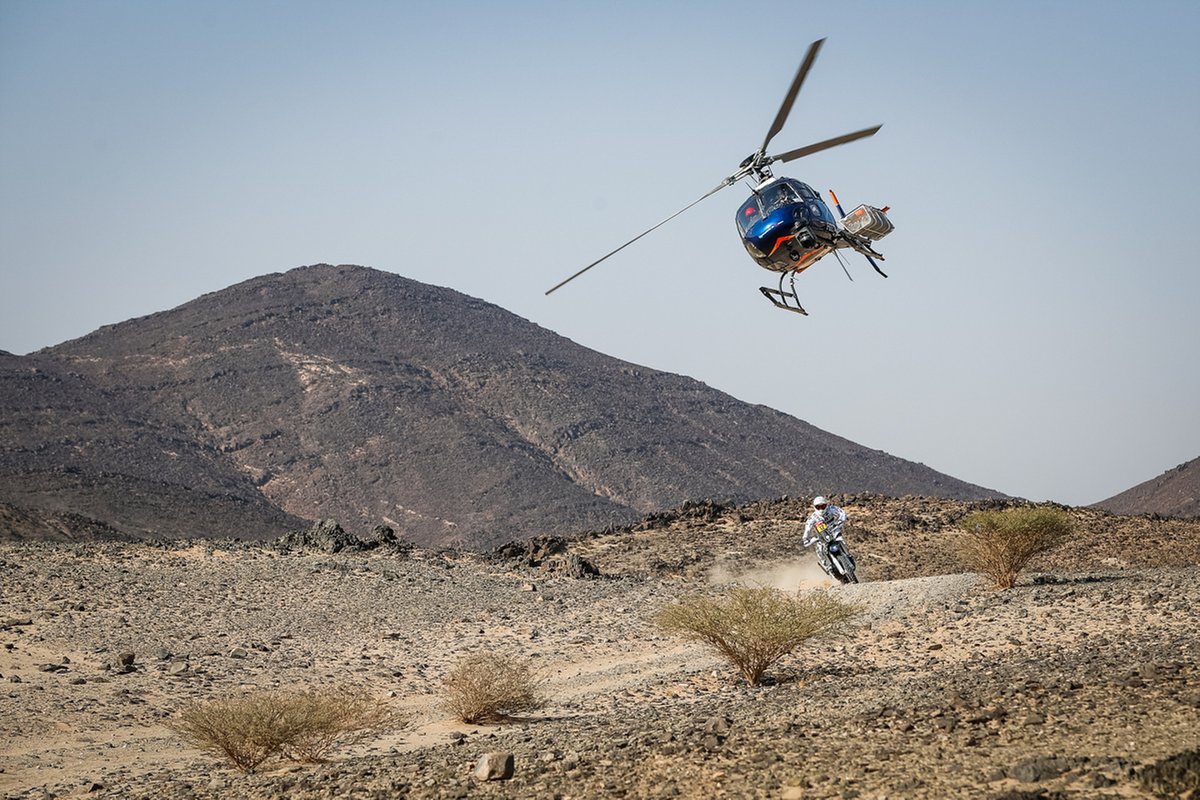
781	194
764	202
749	214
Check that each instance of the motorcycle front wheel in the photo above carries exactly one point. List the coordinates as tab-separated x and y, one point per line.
847	568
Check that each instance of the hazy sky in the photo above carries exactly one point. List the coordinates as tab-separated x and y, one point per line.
1039	333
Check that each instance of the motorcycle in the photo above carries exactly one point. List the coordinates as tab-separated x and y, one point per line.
842	561
839	557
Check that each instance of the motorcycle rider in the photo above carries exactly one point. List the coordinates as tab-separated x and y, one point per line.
824	525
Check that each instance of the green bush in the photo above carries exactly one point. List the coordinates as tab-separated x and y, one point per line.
298	725
486	687
755	627
999	544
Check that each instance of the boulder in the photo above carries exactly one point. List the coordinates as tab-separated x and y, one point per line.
494	767
326	536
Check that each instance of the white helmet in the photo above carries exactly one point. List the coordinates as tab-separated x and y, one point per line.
819	502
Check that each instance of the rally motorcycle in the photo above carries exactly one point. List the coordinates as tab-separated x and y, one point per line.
840	559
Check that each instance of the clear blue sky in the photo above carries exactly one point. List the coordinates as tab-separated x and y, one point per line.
1039	333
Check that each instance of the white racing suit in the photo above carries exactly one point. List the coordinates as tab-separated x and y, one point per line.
821	528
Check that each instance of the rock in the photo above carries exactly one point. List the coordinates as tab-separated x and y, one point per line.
1036	770
718	725
1173	776
531	552
326	536
577	566
383	535
493	767
946	723
177	667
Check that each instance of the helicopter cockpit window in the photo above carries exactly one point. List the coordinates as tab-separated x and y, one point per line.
781	194
749	213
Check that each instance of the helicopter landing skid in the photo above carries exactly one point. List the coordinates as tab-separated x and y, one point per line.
784	299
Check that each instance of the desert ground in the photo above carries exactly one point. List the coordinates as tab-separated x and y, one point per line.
1083	681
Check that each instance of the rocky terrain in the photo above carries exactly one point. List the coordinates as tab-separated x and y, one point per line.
1175	493
1081	682
361	395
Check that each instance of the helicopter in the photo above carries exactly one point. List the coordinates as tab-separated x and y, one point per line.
784	225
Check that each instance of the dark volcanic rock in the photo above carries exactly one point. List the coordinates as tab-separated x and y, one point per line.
326	536
356	394
78	460
1175	776
1175	493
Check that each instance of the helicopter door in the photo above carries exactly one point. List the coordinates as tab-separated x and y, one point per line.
814	205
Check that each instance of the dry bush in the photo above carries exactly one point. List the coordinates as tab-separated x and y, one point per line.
486	687
335	718
1000	543
246	730
755	627
299	725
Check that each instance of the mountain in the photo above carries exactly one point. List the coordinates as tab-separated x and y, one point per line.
1175	493
356	394
80	459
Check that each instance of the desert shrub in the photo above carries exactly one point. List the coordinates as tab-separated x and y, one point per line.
755	627
246	730
487	687
335	718
300	725
998	544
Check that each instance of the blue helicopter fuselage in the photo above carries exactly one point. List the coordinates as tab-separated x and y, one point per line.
786	226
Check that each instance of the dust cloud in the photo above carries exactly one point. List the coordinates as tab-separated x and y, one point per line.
789	576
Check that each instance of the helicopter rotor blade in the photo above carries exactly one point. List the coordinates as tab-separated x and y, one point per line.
792	155
727	182
790	98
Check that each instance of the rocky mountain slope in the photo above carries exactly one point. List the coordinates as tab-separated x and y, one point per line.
79	460
350	393
1175	493
1081	683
